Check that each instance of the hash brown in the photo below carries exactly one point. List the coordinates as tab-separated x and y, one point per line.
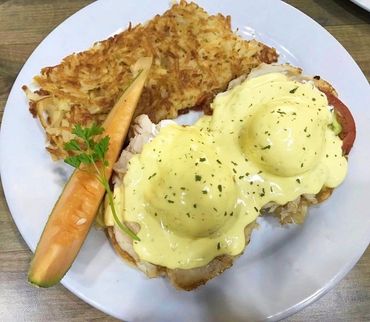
195	57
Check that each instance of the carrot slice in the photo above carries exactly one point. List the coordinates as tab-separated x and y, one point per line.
76	208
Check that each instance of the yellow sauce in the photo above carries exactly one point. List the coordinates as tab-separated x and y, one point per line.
194	189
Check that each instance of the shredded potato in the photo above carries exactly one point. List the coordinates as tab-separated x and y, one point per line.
195	57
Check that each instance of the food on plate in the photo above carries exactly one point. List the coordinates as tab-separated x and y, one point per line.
75	210
276	142
272	141
195	56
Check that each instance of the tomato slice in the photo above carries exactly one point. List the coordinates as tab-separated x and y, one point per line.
345	119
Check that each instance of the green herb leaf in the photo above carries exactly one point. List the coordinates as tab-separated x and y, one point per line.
72	145
94	130
73	161
79	131
101	148
85	158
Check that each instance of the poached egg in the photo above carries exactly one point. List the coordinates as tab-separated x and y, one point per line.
192	190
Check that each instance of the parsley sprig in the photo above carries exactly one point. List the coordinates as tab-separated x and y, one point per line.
89	149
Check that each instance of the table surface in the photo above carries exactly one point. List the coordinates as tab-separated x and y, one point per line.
23	24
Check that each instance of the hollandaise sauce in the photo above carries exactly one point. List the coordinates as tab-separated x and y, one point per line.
194	189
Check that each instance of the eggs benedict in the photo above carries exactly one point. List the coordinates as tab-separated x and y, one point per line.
193	193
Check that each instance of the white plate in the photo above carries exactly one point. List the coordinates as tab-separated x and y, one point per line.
365	4
284	268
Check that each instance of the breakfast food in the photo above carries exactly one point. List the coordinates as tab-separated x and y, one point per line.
272	141
276	142
76	208
195	56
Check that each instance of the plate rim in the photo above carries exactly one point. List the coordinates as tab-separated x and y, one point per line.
361	4
73	288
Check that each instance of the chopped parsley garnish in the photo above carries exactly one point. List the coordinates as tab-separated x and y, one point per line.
153	175
263	192
266	147
292	91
